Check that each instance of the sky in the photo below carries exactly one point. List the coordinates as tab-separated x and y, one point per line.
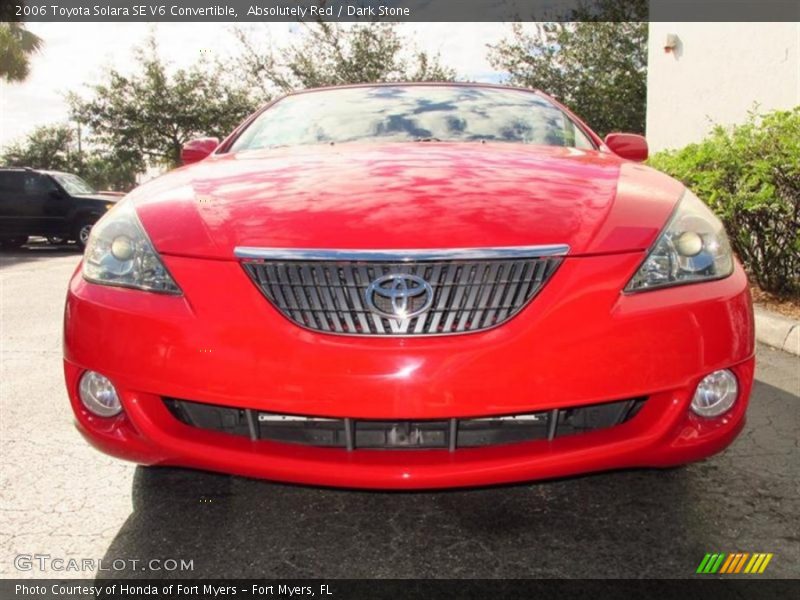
77	54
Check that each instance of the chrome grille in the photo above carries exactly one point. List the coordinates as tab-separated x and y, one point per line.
466	295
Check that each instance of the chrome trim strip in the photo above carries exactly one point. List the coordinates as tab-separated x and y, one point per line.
400	255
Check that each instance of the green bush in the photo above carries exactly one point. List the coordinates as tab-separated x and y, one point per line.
750	176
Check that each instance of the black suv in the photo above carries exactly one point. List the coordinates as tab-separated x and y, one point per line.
58	206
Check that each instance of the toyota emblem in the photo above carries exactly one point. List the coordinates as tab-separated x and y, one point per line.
399	296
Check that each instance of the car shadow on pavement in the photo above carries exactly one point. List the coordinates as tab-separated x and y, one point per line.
36	252
634	523
234	527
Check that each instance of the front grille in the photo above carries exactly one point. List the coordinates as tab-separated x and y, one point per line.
353	434
451	296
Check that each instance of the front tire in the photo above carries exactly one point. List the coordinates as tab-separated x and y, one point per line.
12	243
82	231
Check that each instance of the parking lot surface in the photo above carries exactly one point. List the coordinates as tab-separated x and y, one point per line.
60	497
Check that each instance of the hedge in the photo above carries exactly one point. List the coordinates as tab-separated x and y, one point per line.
750	176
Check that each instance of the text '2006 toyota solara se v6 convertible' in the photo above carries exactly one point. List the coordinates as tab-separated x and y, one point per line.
410	286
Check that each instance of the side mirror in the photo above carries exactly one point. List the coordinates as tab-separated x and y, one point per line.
628	145
196	150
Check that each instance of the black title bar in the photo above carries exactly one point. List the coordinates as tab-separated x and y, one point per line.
393	589
399	10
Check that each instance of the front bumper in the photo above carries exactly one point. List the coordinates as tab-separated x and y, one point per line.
579	342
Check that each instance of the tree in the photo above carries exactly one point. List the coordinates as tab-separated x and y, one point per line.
333	54
153	112
47	147
54	147
597	69
110	170
17	44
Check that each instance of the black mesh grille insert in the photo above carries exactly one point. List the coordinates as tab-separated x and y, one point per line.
451	296
354	434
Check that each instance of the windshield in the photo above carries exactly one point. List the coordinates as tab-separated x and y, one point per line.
73	184
412	113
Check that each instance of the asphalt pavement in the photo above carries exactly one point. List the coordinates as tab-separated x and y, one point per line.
61	498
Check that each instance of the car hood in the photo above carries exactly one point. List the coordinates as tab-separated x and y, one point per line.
403	196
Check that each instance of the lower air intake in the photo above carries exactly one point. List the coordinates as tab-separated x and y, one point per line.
354	434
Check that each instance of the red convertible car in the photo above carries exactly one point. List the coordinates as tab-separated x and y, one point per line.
410	286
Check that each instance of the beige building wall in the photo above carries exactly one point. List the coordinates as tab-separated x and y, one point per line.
716	74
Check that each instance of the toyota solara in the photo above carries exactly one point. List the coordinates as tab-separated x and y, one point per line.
410	286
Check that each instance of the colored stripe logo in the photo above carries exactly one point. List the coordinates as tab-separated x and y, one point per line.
736	562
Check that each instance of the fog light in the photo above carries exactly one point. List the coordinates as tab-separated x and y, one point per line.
715	394
99	395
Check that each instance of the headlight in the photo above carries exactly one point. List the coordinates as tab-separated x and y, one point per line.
692	248
120	253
